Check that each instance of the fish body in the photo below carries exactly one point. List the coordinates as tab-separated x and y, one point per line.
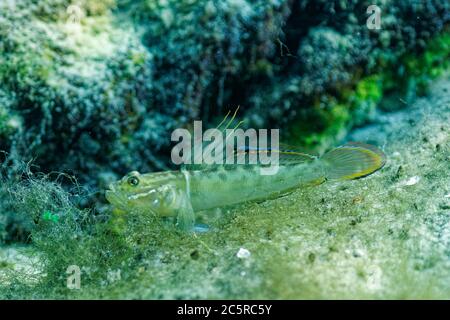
182	193
222	187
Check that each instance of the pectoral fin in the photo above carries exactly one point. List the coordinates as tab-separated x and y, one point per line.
185	214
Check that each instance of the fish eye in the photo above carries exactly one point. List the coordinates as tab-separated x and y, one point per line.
133	181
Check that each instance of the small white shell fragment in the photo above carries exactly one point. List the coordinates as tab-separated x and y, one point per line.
447	195
243	253
412	181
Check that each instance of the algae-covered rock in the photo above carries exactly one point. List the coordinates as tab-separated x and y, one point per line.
102	84
75	94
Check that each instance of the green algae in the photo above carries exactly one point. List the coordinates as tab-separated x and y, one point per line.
334	115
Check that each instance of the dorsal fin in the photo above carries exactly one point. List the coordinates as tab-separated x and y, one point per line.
225	124
284	157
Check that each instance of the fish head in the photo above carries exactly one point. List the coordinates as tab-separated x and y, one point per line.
148	192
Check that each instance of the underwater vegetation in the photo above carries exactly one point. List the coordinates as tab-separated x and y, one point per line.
91	92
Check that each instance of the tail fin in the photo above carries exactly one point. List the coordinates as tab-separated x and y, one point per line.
352	160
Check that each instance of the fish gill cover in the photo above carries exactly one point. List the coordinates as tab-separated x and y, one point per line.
91	90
